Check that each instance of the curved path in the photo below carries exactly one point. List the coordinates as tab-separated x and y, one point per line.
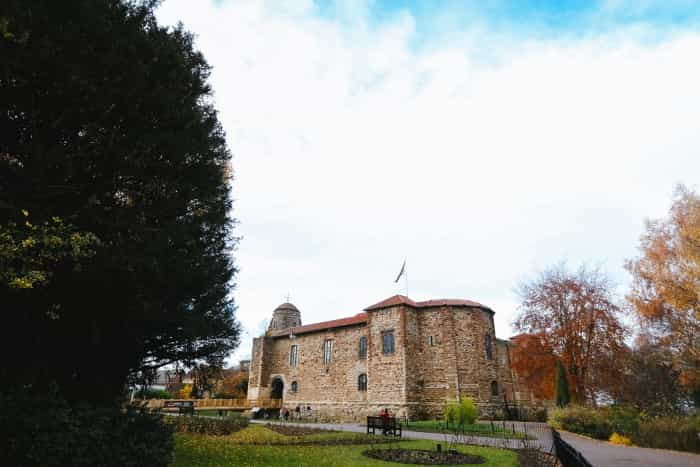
601	453
598	453
543	435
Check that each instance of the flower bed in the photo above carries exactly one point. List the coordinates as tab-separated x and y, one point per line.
423	456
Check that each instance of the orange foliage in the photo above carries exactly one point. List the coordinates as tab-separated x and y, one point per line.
534	362
574	314
235	385
666	283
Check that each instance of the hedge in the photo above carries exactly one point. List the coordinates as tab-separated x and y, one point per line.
678	433
582	420
46	430
669	433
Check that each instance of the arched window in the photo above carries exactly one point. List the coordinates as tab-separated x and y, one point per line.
363	347
494	388
488	346
362	382
294	386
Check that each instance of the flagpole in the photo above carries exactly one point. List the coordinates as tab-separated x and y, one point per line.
406	277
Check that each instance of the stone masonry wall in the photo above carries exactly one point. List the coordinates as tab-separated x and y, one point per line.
433	363
475	370
319	385
387	376
439	354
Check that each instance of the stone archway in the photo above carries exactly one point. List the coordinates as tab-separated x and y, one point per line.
277	388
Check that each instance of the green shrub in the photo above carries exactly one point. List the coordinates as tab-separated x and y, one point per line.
623	420
458	414
582	420
670	433
46	430
207	425
153	394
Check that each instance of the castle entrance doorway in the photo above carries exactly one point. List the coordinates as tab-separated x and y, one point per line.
277	389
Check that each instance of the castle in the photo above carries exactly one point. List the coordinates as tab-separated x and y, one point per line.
408	356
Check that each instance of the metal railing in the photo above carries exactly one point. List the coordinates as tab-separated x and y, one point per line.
567	455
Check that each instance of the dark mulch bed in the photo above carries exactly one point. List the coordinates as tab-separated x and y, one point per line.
289	430
536	458
423	457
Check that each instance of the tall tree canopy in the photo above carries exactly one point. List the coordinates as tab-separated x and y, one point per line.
534	361
652	382
666	284
107	128
574	314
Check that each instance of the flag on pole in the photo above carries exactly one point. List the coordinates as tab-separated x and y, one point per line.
401	273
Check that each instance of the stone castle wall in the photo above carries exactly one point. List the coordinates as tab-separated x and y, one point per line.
439	355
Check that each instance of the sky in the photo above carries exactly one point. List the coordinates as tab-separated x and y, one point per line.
482	141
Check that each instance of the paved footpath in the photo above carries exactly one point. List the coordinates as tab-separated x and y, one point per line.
602	454
544	436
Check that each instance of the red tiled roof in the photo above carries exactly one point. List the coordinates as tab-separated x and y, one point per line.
403	300
392	301
359	318
450	302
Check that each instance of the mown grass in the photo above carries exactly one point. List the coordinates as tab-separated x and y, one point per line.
476	429
268	449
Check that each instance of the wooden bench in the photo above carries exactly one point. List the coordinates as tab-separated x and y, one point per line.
388	425
183	407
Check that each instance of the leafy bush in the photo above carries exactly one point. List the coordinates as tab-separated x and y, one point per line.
153	394
581	420
663	433
185	392
46	430
670	433
623	420
207	425
616	438
460	413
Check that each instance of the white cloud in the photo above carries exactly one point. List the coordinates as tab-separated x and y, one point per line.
480	157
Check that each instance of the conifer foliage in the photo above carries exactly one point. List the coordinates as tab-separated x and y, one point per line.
562	386
107	126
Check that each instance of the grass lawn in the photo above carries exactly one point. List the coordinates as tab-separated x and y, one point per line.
477	429
270	449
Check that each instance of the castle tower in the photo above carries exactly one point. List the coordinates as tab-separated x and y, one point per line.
285	316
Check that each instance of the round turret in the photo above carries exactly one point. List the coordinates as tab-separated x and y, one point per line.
285	316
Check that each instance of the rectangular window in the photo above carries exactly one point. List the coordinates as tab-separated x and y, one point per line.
327	351
293	356
362	382
432	340
388	342
363	347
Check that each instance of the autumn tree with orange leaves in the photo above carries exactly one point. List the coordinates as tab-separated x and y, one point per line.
574	317
535	363
235	385
666	285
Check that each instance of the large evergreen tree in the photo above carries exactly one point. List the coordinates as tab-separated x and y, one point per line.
106	123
